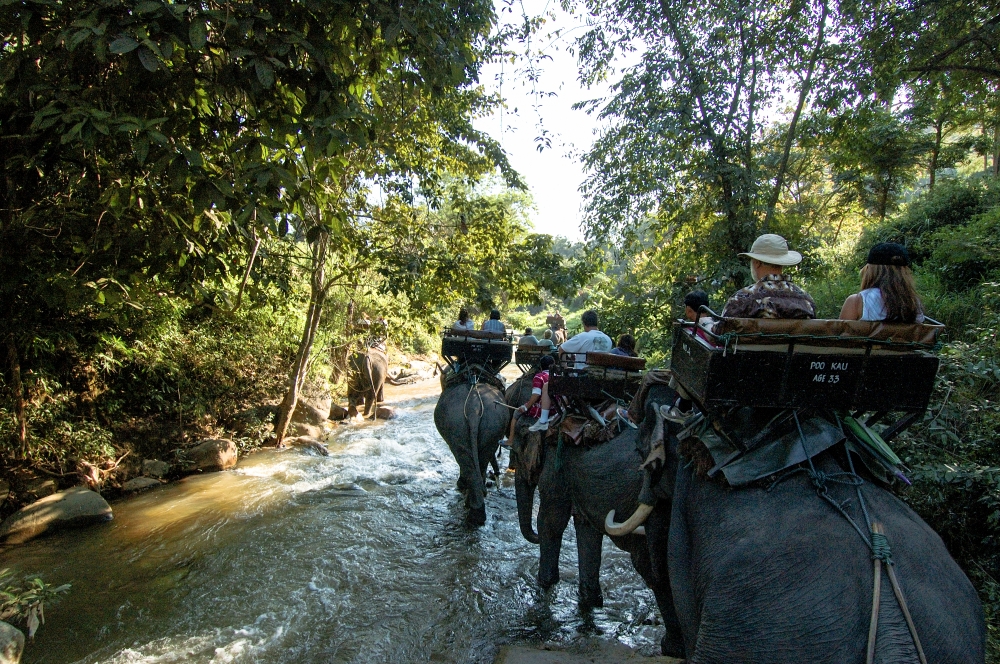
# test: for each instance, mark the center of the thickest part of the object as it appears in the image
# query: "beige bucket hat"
(773, 249)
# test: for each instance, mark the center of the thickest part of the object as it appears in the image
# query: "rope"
(878, 543)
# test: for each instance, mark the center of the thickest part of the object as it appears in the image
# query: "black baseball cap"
(889, 253)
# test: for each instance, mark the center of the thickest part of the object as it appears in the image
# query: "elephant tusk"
(631, 524)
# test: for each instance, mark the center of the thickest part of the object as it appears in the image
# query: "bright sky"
(554, 174)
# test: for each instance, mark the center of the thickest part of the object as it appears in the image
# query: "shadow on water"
(278, 561)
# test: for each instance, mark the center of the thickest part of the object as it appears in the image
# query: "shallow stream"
(278, 561)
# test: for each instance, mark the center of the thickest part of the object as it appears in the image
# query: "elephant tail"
(473, 423)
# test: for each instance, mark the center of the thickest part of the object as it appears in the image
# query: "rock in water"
(303, 429)
(155, 468)
(211, 455)
(385, 413)
(306, 413)
(11, 644)
(137, 484)
(308, 444)
(338, 412)
(78, 506)
(347, 489)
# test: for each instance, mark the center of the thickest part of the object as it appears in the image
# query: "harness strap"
(878, 543)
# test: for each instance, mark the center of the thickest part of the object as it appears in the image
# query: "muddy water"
(278, 561)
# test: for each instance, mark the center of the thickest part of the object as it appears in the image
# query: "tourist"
(887, 289)
(772, 295)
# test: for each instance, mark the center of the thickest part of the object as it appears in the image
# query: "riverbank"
(359, 556)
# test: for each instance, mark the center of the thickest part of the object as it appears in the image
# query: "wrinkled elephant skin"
(472, 423)
(758, 576)
(800, 578)
(596, 480)
(367, 372)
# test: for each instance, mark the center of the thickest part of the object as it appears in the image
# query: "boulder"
(338, 412)
(385, 413)
(11, 644)
(78, 506)
(306, 413)
(308, 444)
(302, 429)
(210, 455)
(155, 468)
(137, 484)
(418, 366)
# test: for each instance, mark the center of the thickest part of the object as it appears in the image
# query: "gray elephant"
(471, 421)
(366, 377)
(595, 480)
(767, 573)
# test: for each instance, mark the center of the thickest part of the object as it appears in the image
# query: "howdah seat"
(606, 376)
(847, 366)
(491, 350)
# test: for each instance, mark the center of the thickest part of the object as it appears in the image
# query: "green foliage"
(24, 602)
(949, 204)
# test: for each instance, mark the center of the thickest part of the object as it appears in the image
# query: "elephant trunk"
(525, 505)
(631, 524)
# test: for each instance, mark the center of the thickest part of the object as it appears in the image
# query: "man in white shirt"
(590, 340)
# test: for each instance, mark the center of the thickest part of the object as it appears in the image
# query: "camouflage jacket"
(774, 296)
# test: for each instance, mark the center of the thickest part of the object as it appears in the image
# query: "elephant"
(764, 573)
(585, 483)
(366, 377)
(472, 422)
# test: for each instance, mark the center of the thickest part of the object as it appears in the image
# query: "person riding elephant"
(793, 569)
(470, 419)
(367, 372)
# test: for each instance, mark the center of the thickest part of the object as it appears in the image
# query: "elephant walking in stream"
(766, 573)
(471, 421)
(366, 378)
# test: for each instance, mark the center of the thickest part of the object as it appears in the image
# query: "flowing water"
(280, 560)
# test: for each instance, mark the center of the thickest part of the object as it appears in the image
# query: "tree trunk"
(297, 376)
(938, 130)
(790, 136)
(17, 392)
(996, 150)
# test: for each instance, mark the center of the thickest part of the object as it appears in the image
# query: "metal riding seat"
(758, 380)
(491, 350)
(606, 376)
(528, 356)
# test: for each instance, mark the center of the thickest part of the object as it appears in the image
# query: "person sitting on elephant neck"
(625, 347)
(463, 324)
(772, 295)
(528, 339)
(493, 323)
(590, 340)
(540, 403)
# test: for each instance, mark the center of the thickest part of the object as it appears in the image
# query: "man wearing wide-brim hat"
(773, 295)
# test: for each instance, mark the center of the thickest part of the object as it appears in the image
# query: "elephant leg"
(672, 643)
(588, 552)
(352, 402)
(554, 510)
(368, 403)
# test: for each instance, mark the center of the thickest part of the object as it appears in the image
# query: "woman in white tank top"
(887, 289)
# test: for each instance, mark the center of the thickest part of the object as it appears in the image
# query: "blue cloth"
(493, 325)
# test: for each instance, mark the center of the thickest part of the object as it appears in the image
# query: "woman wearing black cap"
(887, 289)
